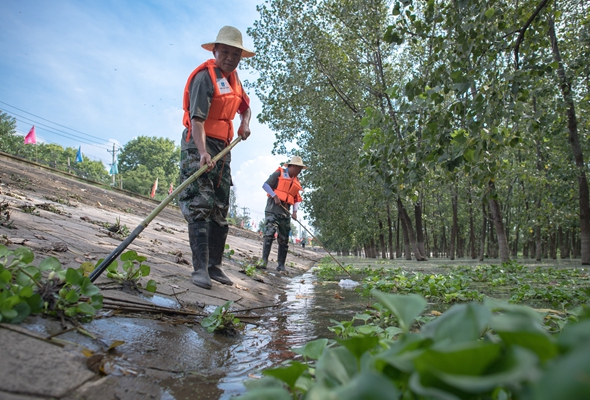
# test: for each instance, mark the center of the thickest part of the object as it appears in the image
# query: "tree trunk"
(498, 224)
(584, 199)
(390, 233)
(382, 241)
(410, 229)
(538, 242)
(398, 248)
(515, 247)
(454, 225)
(484, 219)
(552, 245)
(407, 250)
(472, 252)
(419, 230)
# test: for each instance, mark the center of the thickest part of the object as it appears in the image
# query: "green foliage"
(487, 350)
(228, 253)
(144, 159)
(131, 272)
(221, 320)
(250, 270)
(560, 288)
(27, 289)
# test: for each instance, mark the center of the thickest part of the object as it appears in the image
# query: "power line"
(55, 123)
(45, 141)
(66, 135)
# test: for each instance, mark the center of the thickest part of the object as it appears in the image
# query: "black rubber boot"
(217, 236)
(282, 256)
(266, 246)
(198, 238)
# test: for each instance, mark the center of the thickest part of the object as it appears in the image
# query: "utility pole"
(115, 171)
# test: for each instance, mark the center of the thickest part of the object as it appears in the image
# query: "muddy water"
(174, 360)
(183, 361)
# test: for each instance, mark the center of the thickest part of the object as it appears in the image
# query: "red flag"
(31, 138)
(154, 188)
(171, 189)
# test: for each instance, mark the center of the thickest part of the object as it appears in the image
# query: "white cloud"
(114, 69)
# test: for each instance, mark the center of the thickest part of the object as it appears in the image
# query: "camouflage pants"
(278, 223)
(207, 198)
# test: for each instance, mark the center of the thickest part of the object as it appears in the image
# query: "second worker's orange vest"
(288, 188)
(224, 106)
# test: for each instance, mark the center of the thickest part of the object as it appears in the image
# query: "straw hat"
(232, 37)
(296, 160)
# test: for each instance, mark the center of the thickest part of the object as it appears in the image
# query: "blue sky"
(114, 70)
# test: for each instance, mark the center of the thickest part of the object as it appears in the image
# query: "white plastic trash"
(347, 284)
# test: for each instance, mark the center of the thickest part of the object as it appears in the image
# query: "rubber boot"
(282, 256)
(217, 236)
(266, 246)
(198, 238)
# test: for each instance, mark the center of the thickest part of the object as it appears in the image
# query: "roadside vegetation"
(483, 332)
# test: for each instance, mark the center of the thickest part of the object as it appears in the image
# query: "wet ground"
(159, 355)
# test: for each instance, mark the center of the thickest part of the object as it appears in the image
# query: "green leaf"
(85, 308)
(289, 374)
(5, 277)
(113, 267)
(145, 270)
(406, 308)
(567, 377)
(460, 323)
(25, 255)
(73, 277)
(72, 296)
(368, 385)
(129, 255)
(459, 359)
(490, 12)
(358, 345)
(50, 263)
(87, 288)
(312, 350)
(151, 286)
(336, 366)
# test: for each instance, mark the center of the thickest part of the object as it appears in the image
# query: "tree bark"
(472, 252)
(398, 248)
(455, 225)
(482, 246)
(410, 229)
(407, 249)
(390, 233)
(419, 229)
(498, 224)
(382, 241)
(584, 199)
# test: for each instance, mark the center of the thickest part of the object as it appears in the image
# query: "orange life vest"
(224, 105)
(288, 188)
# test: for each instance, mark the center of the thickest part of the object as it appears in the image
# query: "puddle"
(187, 362)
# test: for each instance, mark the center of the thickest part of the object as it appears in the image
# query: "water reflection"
(305, 314)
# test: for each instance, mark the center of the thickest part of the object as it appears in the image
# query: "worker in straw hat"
(282, 188)
(212, 96)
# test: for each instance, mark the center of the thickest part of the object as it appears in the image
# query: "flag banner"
(79, 155)
(31, 138)
(114, 169)
(171, 189)
(154, 188)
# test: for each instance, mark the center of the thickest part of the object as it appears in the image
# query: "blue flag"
(79, 155)
(114, 169)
